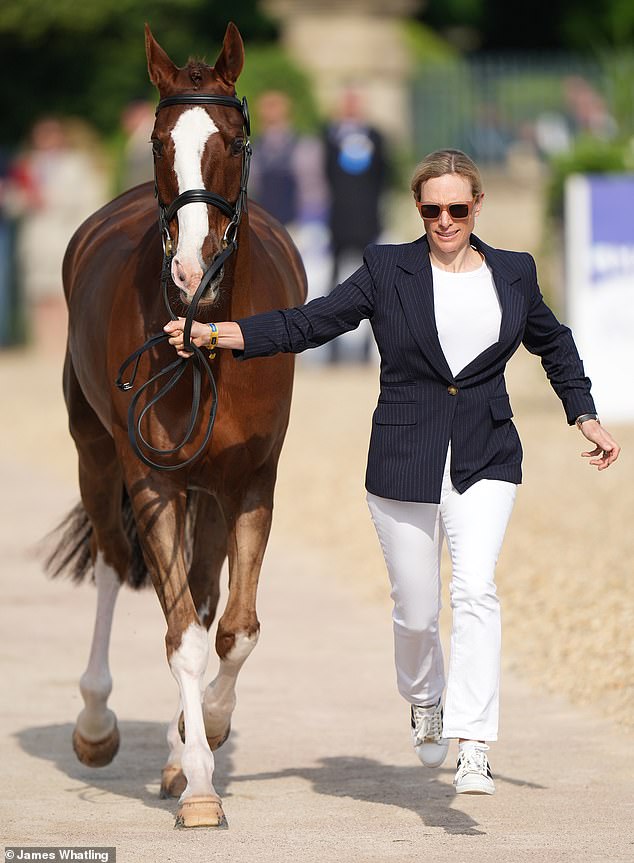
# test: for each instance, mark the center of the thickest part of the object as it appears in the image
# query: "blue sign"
(612, 227)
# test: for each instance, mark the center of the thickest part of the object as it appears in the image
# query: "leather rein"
(199, 363)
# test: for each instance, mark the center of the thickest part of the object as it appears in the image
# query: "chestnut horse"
(180, 525)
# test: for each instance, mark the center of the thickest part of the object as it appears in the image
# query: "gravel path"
(319, 766)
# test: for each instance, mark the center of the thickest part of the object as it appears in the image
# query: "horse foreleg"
(96, 736)
(238, 628)
(160, 516)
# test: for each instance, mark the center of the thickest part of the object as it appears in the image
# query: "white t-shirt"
(468, 314)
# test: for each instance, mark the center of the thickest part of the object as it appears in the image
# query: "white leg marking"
(95, 721)
(219, 699)
(174, 741)
(190, 134)
(188, 665)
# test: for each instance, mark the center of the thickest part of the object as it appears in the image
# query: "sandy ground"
(319, 765)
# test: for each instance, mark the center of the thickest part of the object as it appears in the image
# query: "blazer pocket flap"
(395, 413)
(501, 408)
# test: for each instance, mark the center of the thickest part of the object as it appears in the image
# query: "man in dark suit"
(447, 312)
(356, 173)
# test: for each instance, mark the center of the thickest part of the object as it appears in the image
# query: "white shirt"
(468, 314)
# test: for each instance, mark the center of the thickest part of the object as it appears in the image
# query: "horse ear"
(160, 67)
(231, 59)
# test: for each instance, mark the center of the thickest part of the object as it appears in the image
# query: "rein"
(197, 360)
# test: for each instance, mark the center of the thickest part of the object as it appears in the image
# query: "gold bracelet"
(213, 341)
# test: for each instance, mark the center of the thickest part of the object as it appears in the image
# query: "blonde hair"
(442, 162)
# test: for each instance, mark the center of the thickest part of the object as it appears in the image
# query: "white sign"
(599, 223)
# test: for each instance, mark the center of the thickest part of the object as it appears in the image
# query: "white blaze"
(190, 134)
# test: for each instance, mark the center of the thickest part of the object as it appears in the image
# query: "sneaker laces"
(427, 723)
(473, 759)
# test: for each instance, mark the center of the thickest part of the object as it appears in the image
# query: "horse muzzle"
(188, 281)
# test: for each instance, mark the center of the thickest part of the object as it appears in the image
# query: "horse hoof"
(201, 812)
(217, 741)
(96, 753)
(173, 782)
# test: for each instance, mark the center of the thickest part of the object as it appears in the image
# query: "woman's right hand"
(199, 335)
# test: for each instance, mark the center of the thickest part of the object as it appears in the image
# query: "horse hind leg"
(173, 781)
(96, 735)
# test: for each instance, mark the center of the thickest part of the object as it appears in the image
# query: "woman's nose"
(444, 219)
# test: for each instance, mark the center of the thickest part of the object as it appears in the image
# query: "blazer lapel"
(511, 302)
(416, 292)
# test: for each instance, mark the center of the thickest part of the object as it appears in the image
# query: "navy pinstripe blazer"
(422, 406)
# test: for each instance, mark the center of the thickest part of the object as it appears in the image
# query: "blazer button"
(452, 390)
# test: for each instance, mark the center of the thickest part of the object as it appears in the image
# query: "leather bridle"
(198, 361)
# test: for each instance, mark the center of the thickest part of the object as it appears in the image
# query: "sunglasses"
(433, 211)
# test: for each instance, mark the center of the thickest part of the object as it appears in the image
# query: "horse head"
(201, 152)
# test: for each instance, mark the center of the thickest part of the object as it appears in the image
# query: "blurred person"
(448, 311)
(286, 177)
(7, 280)
(489, 138)
(584, 112)
(62, 184)
(587, 111)
(356, 171)
(137, 122)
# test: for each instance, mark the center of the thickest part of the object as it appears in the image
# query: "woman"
(447, 312)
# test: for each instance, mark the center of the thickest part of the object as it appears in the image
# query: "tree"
(497, 25)
(71, 57)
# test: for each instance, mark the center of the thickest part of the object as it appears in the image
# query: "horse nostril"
(179, 272)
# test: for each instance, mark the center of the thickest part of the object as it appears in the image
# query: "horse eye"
(157, 147)
(237, 146)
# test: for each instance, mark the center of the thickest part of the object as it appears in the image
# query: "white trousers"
(411, 536)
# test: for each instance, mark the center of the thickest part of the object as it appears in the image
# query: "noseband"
(200, 365)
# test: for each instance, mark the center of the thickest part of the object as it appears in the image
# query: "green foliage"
(424, 45)
(588, 156)
(527, 94)
(605, 25)
(267, 67)
(500, 25)
(618, 69)
(72, 57)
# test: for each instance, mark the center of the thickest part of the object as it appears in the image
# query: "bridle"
(200, 365)
(198, 196)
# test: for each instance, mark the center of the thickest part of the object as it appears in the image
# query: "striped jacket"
(421, 405)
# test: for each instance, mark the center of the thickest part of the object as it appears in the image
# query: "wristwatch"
(581, 419)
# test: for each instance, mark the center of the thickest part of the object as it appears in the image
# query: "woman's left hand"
(607, 449)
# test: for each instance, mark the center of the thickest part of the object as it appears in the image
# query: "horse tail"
(71, 556)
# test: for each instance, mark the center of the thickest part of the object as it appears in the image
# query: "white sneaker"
(474, 774)
(427, 734)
